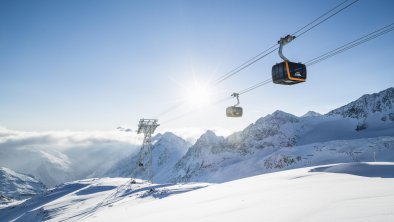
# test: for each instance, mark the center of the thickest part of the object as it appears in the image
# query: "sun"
(198, 95)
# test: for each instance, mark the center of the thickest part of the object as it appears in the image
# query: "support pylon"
(144, 164)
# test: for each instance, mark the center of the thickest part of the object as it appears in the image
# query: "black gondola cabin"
(288, 73)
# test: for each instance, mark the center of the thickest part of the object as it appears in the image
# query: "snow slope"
(16, 186)
(344, 192)
(54, 158)
(77, 200)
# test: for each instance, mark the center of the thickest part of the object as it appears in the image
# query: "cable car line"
(386, 29)
(229, 74)
(310, 23)
(290, 73)
(175, 106)
(340, 10)
(224, 99)
(270, 50)
(345, 47)
(352, 44)
(274, 47)
(265, 82)
(286, 73)
(247, 63)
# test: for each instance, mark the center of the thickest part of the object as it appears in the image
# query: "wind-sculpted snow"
(342, 192)
(79, 200)
(383, 170)
(306, 194)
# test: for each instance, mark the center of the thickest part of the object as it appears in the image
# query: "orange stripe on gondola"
(289, 76)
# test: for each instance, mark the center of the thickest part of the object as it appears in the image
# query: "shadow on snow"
(359, 169)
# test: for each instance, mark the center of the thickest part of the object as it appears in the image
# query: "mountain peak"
(277, 117)
(169, 135)
(280, 113)
(311, 114)
(208, 137)
(381, 102)
(169, 139)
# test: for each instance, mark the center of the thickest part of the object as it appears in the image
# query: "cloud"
(57, 157)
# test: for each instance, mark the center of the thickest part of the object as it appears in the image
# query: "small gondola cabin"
(234, 111)
(288, 73)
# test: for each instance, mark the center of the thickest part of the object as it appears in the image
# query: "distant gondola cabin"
(234, 111)
(288, 73)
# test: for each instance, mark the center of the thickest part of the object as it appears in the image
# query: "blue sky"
(95, 65)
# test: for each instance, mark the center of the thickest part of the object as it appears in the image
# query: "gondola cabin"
(288, 73)
(234, 111)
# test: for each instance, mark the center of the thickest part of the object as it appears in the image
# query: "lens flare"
(198, 95)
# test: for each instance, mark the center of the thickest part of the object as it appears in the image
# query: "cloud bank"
(57, 157)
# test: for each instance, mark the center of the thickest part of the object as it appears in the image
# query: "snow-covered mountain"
(55, 159)
(311, 114)
(367, 105)
(211, 152)
(283, 141)
(227, 165)
(167, 150)
(17, 186)
(369, 109)
(358, 138)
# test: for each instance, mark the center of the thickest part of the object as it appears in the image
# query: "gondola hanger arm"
(282, 42)
(236, 95)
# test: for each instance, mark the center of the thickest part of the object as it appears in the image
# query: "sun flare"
(198, 95)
